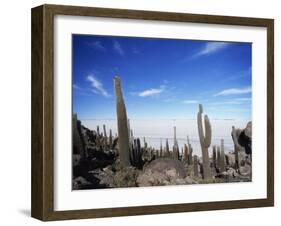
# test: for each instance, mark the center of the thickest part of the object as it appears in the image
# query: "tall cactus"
(190, 150)
(186, 153)
(222, 157)
(167, 148)
(110, 139)
(123, 132)
(161, 148)
(105, 144)
(235, 134)
(175, 147)
(195, 166)
(214, 156)
(205, 141)
(218, 157)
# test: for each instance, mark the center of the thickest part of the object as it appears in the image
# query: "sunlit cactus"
(110, 138)
(161, 148)
(205, 141)
(167, 153)
(222, 157)
(214, 156)
(175, 147)
(235, 134)
(218, 162)
(195, 166)
(122, 121)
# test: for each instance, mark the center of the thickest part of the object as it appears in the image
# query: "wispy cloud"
(151, 92)
(240, 75)
(211, 47)
(97, 45)
(234, 91)
(235, 101)
(243, 99)
(118, 48)
(74, 86)
(190, 102)
(97, 86)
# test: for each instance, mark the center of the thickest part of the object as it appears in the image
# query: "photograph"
(149, 111)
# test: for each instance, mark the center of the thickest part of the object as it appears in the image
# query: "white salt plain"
(156, 129)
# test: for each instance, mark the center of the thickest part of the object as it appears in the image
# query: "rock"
(124, 177)
(167, 164)
(245, 170)
(231, 158)
(76, 159)
(164, 172)
(79, 182)
(245, 138)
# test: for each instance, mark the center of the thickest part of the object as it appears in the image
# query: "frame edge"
(37, 113)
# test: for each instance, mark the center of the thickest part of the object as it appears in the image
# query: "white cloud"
(211, 47)
(74, 86)
(97, 86)
(234, 91)
(118, 48)
(190, 101)
(98, 45)
(151, 92)
(243, 99)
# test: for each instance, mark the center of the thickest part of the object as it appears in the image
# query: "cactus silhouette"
(205, 141)
(222, 157)
(195, 166)
(122, 121)
(235, 134)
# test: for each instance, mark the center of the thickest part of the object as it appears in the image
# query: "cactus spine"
(205, 141)
(122, 121)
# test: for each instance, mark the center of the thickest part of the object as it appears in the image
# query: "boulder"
(164, 171)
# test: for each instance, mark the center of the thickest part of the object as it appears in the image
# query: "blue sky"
(161, 78)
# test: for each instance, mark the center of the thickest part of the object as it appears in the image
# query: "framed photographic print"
(141, 112)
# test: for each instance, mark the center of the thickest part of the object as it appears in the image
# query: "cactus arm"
(208, 132)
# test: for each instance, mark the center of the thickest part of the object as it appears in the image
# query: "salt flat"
(156, 129)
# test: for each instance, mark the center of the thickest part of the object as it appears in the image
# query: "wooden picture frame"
(43, 112)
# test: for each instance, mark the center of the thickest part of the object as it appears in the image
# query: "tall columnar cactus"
(186, 154)
(98, 138)
(222, 157)
(175, 147)
(205, 141)
(218, 157)
(110, 138)
(235, 134)
(214, 156)
(175, 135)
(161, 148)
(195, 166)
(105, 145)
(123, 132)
(145, 143)
(167, 148)
(189, 152)
(78, 141)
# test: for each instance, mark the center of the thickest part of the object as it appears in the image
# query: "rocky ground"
(96, 165)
